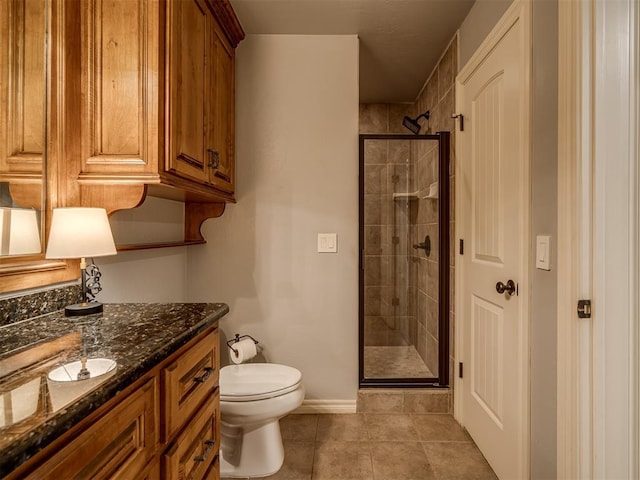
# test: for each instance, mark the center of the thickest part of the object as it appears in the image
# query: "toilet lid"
(257, 381)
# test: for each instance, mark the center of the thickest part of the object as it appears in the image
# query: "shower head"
(412, 123)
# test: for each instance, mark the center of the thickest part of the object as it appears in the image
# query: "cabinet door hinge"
(584, 308)
(460, 369)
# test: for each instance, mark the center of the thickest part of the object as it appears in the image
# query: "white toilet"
(253, 398)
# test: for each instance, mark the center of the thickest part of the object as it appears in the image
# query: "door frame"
(520, 10)
(598, 239)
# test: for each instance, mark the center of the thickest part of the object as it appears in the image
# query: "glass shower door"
(400, 284)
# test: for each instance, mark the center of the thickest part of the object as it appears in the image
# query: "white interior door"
(493, 206)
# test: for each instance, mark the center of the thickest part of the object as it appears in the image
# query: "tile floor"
(394, 362)
(375, 446)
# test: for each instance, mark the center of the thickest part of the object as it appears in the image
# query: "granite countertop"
(34, 410)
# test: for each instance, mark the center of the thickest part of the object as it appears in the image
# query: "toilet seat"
(257, 381)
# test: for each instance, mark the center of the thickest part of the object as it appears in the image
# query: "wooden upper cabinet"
(22, 99)
(201, 65)
(120, 80)
(190, 75)
(22, 85)
(158, 95)
(223, 113)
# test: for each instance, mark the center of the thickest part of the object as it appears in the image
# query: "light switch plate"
(327, 242)
(543, 252)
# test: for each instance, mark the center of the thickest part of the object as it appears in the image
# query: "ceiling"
(400, 40)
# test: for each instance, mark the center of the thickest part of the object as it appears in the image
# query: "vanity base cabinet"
(214, 470)
(118, 446)
(164, 426)
(193, 451)
(191, 410)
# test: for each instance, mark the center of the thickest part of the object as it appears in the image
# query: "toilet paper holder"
(237, 339)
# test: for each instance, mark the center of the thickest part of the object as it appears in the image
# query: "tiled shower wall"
(420, 326)
(389, 318)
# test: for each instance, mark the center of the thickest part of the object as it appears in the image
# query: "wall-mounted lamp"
(80, 232)
(19, 231)
(412, 123)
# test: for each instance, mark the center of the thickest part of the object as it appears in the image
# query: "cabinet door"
(22, 90)
(120, 67)
(188, 44)
(223, 112)
(118, 446)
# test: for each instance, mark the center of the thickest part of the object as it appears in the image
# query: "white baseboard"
(327, 406)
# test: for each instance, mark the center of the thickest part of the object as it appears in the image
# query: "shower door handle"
(509, 287)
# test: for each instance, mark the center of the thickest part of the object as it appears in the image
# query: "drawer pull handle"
(207, 451)
(214, 158)
(203, 378)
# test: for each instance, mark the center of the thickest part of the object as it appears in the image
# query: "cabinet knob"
(201, 458)
(214, 158)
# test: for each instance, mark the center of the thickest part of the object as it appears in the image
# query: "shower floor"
(394, 362)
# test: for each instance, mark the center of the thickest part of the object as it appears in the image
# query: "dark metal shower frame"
(443, 139)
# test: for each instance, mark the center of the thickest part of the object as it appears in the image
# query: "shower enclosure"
(404, 262)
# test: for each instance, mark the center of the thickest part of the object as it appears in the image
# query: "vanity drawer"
(194, 450)
(187, 381)
(118, 446)
(214, 470)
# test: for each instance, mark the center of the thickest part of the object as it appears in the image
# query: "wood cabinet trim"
(196, 214)
(228, 21)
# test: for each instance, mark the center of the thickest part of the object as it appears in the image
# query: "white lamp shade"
(80, 232)
(19, 232)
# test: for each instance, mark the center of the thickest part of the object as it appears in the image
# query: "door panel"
(487, 220)
(487, 379)
(494, 212)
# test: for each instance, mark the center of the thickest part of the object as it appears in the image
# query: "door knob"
(509, 287)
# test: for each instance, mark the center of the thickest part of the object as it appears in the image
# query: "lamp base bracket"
(84, 308)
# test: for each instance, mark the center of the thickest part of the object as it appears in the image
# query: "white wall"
(297, 171)
(482, 17)
(544, 217)
(157, 275)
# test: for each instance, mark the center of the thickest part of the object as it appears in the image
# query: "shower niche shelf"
(406, 196)
(433, 191)
(433, 194)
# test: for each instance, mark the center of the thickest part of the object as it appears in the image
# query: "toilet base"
(251, 451)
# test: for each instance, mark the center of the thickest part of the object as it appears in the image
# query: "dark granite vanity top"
(34, 410)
